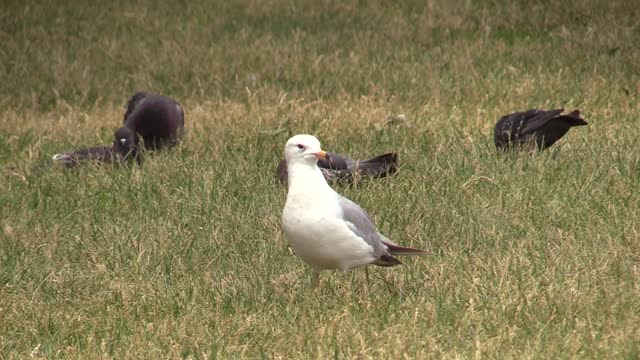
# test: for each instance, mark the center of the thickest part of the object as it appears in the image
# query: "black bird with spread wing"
(540, 127)
(124, 148)
(339, 168)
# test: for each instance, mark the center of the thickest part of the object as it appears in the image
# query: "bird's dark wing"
(538, 120)
(281, 171)
(377, 167)
(159, 120)
(335, 162)
(133, 102)
(574, 118)
(97, 154)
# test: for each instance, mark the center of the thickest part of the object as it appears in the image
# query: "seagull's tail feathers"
(405, 251)
(377, 167)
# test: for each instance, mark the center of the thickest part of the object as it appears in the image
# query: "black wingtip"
(387, 261)
(403, 250)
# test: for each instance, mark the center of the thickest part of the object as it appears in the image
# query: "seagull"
(124, 148)
(326, 230)
(338, 168)
(159, 120)
(544, 127)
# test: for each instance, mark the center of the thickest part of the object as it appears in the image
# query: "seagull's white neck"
(306, 178)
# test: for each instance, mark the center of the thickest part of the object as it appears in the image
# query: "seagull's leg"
(315, 278)
(345, 273)
(366, 272)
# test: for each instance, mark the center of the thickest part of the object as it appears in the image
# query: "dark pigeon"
(338, 168)
(157, 119)
(124, 148)
(540, 127)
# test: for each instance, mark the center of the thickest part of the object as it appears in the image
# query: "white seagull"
(326, 230)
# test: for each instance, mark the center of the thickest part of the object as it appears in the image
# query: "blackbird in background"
(540, 127)
(339, 168)
(157, 119)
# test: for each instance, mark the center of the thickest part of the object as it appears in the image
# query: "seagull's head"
(303, 149)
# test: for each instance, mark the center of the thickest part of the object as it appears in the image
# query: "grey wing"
(360, 223)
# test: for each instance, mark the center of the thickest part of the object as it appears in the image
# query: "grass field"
(533, 256)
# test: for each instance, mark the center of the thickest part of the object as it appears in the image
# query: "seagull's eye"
(300, 146)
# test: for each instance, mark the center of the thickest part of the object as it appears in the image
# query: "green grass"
(533, 256)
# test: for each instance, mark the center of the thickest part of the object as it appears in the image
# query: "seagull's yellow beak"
(320, 154)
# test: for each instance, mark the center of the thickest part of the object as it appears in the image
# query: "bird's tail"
(63, 158)
(379, 166)
(402, 250)
(575, 119)
(395, 250)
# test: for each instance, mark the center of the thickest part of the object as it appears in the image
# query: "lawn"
(533, 256)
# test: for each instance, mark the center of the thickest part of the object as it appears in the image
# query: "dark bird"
(124, 148)
(339, 168)
(157, 119)
(542, 127)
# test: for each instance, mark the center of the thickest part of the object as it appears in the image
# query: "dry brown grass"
(533, 256)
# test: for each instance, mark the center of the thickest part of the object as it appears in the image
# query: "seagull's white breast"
(314, 226)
